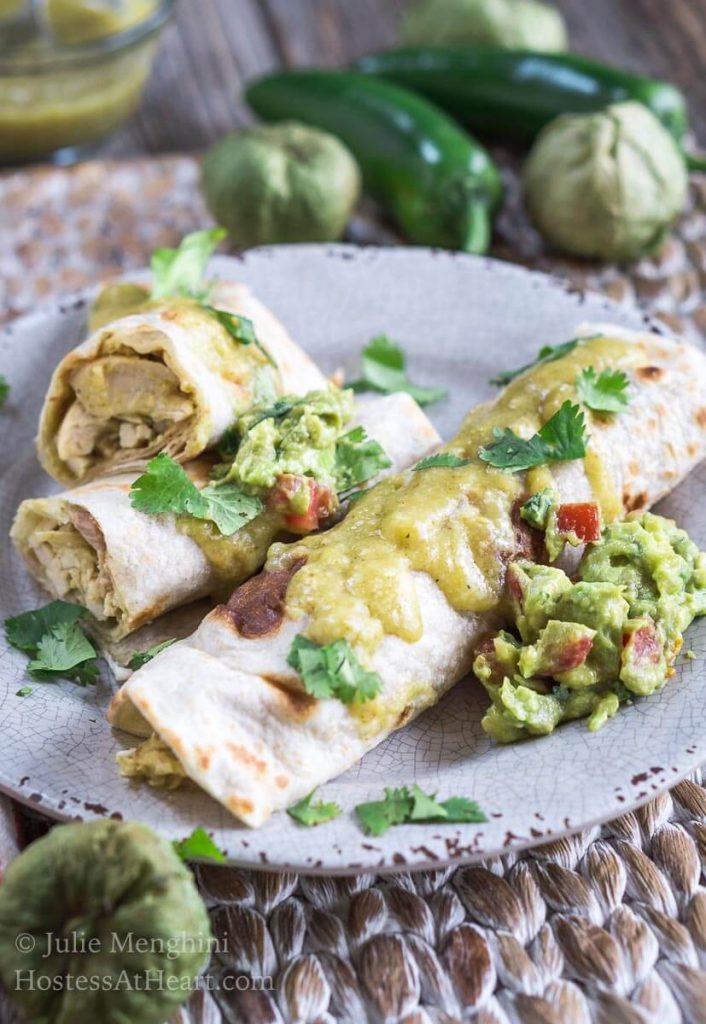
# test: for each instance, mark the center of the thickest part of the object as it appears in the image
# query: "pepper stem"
(477, 238)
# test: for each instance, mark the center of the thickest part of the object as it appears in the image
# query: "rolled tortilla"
(169, 378)
(90, 546)
(232, 712)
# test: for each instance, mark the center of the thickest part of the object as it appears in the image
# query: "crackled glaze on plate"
(460, 319)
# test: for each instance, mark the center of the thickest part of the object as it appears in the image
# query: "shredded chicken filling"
(70, 556)
(122, 403)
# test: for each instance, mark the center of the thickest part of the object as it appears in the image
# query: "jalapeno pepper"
(513, 94)
(439, 185)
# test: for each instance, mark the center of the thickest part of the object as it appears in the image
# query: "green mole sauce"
(453, 523)
(239, 556)
(60, 101)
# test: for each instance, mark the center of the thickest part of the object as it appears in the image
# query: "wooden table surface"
(214, 46)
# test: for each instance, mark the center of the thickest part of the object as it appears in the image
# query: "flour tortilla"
(235, 714)
(206, 378)
(90, 546)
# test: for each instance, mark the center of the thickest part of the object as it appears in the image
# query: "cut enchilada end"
(168, 377)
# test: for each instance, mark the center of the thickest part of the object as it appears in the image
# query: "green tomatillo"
(285, 182)
(606, 185)
(514, 24)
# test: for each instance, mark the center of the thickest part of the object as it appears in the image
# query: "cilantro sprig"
(546, 354)
(310, 814)
(166, 487)
(606, 392)
(141, 658)
(402, 806)
(358, 458)
(199, 846)
(384, 369)
(53, 638)
(441, 460)
(332, 670)
(563, 438)
(181, 272)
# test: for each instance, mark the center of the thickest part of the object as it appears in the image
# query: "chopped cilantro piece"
(141, 658)
(4, 390)
(332, 670)
(199, 846)
(358, 458)
(181, 271)
(402, 806)
(310, 814)
(240, 328)
(546, 354)
(384, 369)
(442, 459)
(26, 630)
(561, 439)
(604, 392)
(24, 691)
(166, 487)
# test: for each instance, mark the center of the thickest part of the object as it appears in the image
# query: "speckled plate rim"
(304, 284)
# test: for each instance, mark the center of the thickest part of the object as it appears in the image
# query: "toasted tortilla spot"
(649, 372)
(239, 807)
(244, 756)
(632, 504)
(634, 468)
(701, 416)
(296, 702)
(405, 715)
(256, 608)
(281, 781)
(204, 759)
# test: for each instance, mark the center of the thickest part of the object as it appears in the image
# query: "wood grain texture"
(214, 46)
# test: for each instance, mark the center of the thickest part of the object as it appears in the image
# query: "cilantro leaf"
(400, 806)
(383, 366)
(460, 810)
(24, 691)
(442, 459)
(546, 354)
(229, 507)
(240, 328)
(561, 439)
(181, 271)
(166, 487)
(199, 846)
(358, 458)
(604, 392)
(310, 814)
(377, 816)
(141, 658)
(26, 630)
(4, 390)
(332, 670)
(62, 651)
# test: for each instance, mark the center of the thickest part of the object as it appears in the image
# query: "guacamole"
(581, 646)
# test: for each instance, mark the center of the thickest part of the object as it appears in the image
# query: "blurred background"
(215, 46)
(151, 105)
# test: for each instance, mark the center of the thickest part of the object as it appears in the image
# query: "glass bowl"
(57, 101)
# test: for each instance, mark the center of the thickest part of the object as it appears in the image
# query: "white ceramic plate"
(460, 319)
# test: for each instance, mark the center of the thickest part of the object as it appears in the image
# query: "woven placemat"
(606, 926)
